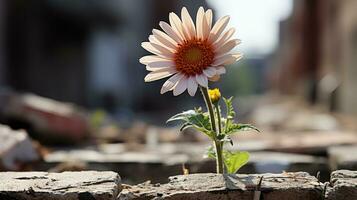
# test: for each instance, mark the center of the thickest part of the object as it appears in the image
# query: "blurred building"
(84, 52)
(317, 53)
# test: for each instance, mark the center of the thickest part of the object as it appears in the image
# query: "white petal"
(159, 74)
(163, 50)
(181, 86)
(154, 69)
(227, 59)
(218, 27)
(223, 60)
(176, 24)
(221, 70)
(227, 47)
(170, 83)
(192, 86)
(201, 24)
(148, 47)
(151, 58)
(230, 61)
(164, 39)
(161, 63)
(237, 56)
(153, 48)
(209, 71)
(209, 18)
(154, 40)
(187, 23)
(171, 32)
(202, 80)
(205, 28)
(225, 37)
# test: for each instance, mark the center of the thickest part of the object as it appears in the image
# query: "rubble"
(59, 186)
(51, 120)
(313, 143)
(279, 113)
(16, 149)
(143, 133)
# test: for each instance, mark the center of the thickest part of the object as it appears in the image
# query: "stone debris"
(287, 186)
(343, 185)
(16, 149)
(343, 157)
(279, 113)
(312, 143)
(143, 133)
(95, 156)
(52, 120)
(311, 121)
(85, 185)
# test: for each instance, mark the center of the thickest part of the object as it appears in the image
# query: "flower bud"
(214, 95)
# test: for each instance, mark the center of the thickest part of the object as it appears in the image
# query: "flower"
(191, 54)
(214, 95)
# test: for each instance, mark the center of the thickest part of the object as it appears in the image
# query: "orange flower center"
(193, 56)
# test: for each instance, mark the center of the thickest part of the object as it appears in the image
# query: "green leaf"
(181, 116)
(234, 128)
(184, 126)
(210, 153)
(230, 113)
(194, 118)
(235, 160)
(229, 108)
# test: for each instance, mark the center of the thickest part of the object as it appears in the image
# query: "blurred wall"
(340, 50)
(84, 52)
(316, 57)
(2, 41)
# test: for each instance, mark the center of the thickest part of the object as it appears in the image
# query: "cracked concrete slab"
(83, 185)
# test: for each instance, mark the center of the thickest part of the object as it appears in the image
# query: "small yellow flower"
(214, 95)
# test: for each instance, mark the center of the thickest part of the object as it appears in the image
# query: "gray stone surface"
(287, 186)
(343, 185)
(85, 185)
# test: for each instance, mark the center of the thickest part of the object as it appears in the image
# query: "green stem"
(219, 157)
(209, 108)
(218, 118)
(217, 144)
